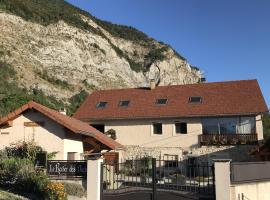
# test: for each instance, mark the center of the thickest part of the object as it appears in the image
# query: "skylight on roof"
(161, 101)
(195, 100)
(124, 103)
(102, 104)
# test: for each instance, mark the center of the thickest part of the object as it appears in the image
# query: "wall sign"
(33, 124)
(67, 168)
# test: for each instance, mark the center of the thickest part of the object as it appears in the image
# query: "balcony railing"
(228, 139)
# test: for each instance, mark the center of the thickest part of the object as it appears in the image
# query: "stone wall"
(155, 152)
(205, 153)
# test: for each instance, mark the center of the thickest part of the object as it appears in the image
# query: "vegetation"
(195, 68)
(76, 101)
(51, 11)
(47, 12)
(98, 47)
(17, 172)
(74, 189)
(87, 85)
(155, 55)
(55, 190)
(9, 195)
(23, 150)
(12, 96)
(55, 81)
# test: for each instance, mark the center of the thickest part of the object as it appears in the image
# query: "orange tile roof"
(70, 123)
(218, 99)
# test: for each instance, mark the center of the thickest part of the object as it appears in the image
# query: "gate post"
(94, 179)
(154, 179)
(222, 179)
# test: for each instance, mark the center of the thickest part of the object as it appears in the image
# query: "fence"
(158, 175)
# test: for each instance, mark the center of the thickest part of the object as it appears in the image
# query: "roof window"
(102, 104)
(124, 103)
(161, 101)
(195, 99)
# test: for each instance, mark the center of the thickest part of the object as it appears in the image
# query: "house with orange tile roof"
(53, 131)
(174, 121)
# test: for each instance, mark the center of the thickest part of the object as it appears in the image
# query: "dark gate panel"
(151, 179)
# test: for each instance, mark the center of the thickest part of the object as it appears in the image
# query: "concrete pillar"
(94, 179)
(222, 179)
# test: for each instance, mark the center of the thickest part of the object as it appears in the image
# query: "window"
(161, 101)
(210, 126)
(181, 128)
(195, 99)
(170, 161)
(71, 155)
(157, 128)
(229, 125)
(123, 103)
(102, 104)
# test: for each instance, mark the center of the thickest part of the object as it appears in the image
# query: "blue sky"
(227, 39)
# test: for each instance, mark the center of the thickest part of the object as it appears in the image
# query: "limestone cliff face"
(61, 59)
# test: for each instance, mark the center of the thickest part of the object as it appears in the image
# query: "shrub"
(11, 170)
(56, 191)
(74, 189)
(76, 101)
(33, 183)
(26, 150)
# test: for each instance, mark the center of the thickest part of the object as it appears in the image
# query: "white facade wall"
(140, 132)
(75, 146)
(259, 127)
(252, 191)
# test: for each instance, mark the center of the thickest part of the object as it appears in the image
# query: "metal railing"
(228, 139)
(158, 175)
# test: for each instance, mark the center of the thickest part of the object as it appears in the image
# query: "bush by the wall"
(18, 173)
(11, 170)
(33, 182)
(74, 189)
(23, 149)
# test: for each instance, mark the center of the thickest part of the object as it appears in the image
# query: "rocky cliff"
(61, 50)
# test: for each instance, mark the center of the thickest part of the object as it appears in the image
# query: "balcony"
(228, 139)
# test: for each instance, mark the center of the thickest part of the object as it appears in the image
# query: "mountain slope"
(60, 50)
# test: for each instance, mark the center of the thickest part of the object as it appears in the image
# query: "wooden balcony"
(228, 139)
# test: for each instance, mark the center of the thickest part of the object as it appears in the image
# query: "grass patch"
(12, 96)
(55, 81)
(4, 195)
(76, 101)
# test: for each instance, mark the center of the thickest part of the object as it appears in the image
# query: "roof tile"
(218, 99)
(72, 124)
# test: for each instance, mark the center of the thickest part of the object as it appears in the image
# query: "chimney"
(152, 84)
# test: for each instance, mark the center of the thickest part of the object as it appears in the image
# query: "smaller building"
(53, 131)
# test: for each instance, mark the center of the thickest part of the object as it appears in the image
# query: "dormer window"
(161, 101)
(195, 100)
(102, 104)
(124, 103)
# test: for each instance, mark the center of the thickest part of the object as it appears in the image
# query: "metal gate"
(151, 179)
